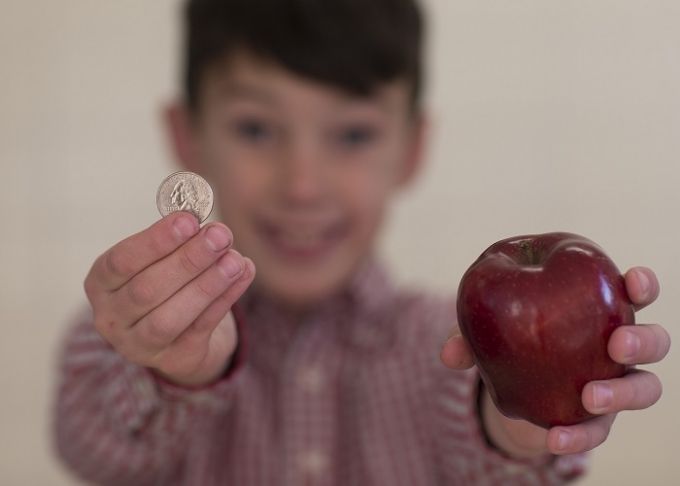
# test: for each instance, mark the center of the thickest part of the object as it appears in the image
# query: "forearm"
(109, 428)
(116, 423)
(470, 451)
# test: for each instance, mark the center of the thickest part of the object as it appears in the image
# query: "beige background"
(548, 115)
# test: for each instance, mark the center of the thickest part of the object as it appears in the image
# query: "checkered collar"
(360, 309)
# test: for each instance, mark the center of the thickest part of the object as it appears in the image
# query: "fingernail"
(643, 282)
(563, 440)
(231, 264)
(185, 226)
(248, 265)
(632, 344)
(218, 238)
(602, 397)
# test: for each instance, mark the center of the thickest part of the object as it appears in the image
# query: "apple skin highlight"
(537, 312)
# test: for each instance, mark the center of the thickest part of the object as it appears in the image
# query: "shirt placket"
(309, 407)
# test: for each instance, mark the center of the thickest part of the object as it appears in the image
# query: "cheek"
(367, 193)
(235, 194)
(239, 191)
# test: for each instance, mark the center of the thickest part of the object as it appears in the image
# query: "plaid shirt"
(355, 395)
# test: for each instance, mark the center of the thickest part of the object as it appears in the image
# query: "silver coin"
(185, 191)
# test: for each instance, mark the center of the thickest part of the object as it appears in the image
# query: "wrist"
(225, 351)
(206, 376)
(515, 438)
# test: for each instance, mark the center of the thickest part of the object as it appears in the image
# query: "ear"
(415, 150)
(181, 135)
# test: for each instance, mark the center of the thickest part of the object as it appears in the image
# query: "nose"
(303, 179)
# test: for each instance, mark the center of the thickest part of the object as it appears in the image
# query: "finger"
(640, 344)
(642, 286)
(161, 280)
(635, 391)
(456, 354)
(581, 437)
(158, 329)
(188, 360)
(124, 260)
(197, 335)
(206, 322)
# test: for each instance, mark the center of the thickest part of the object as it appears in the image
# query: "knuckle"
(654, 389)
(105, 327)
(118, 263)
(155, 332)
(249, 271)
(659, 391)
(158, 242)
(588, 438)
(109, 330)
(593, 434)
(233, 292)
(227, 299)
(90, 288)
(582, 440)
(202, 328)
(188, 262)
(207, 289)
(663, 341)
(140, 292)
(599, 437)
(627, 392)
(641, 392)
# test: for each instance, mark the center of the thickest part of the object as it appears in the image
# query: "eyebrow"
(244, 91)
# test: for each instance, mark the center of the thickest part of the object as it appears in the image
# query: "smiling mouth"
(304, 242)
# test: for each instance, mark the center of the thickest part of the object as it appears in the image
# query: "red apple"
(537, 312)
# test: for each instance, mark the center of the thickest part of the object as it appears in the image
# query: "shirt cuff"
(140, 393)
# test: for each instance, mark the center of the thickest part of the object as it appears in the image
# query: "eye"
(356, 136)
(253, 130)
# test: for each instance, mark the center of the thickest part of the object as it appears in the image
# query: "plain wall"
(547, 115)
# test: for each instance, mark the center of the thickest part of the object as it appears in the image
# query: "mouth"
(302, 243)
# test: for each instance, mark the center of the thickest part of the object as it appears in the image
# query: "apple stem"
(530, 254)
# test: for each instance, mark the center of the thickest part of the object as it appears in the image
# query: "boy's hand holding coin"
(162, 297)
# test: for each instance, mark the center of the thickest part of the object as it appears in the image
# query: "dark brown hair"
(354, 45)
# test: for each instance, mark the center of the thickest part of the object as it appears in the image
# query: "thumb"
(455, 353)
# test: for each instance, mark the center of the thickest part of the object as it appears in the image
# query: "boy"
(305, 117)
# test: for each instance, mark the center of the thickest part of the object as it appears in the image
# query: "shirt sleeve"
(462, 450)
(115, 422)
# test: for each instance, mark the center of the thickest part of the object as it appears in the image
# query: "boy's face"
(302, 171)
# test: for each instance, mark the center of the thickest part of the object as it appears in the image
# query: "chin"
(300, 291)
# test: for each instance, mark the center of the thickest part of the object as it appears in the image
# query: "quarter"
(185, 191)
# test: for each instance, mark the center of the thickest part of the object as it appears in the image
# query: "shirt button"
(310, 379)
(313, 462)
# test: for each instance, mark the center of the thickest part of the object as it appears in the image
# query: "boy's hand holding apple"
(162, 297)
(627, 345)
